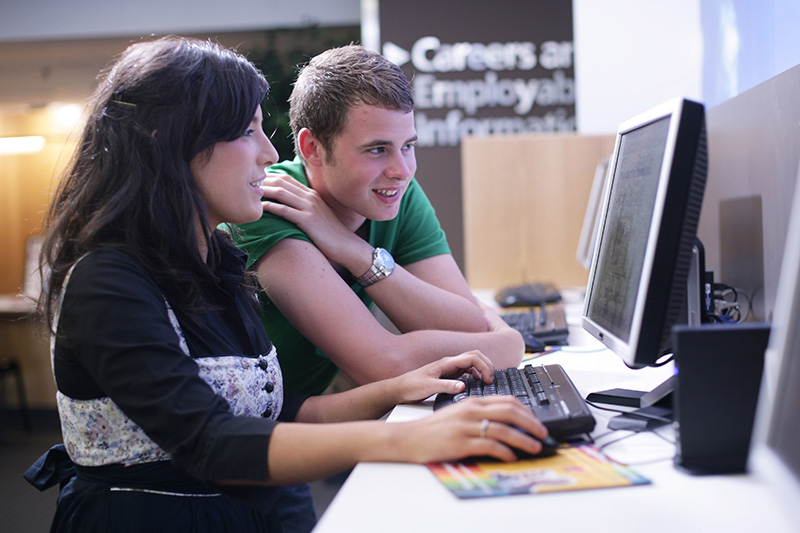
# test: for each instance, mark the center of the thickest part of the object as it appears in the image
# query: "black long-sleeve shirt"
(116, 340)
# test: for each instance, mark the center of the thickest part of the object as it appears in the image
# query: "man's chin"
(384, 215)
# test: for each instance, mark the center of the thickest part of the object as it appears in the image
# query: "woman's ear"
(310, 148)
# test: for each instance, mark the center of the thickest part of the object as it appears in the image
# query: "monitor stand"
(654, 408)
(651, 408)
(636, 398)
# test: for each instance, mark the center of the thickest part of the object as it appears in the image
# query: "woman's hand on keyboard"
(441, 376)
(375, 399)
(458, 432)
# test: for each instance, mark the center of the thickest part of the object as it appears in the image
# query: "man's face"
(370, 165)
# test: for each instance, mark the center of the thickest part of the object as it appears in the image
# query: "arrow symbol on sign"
(395, 54)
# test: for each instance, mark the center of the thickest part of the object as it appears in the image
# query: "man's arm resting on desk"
(429, 294)
(315, 299)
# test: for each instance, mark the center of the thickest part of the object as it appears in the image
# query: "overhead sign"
(477, 68)
(532, 103)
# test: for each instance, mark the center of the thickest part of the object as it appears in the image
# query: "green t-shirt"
(414, 234)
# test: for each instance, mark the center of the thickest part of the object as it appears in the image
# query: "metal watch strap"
(377, 271)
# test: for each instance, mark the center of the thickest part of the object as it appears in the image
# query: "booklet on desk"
(575, 468)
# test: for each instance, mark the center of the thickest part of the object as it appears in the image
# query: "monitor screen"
(775, 454)
(640, 269)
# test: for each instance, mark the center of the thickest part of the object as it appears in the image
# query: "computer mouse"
(511, 297)
(549, 449)
(507, 299)
(532, 343)
(527, 295)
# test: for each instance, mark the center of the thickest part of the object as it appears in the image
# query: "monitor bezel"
(667, 236)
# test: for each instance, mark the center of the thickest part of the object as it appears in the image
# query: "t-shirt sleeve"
(256, 238)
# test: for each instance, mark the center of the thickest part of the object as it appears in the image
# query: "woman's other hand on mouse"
(461, 431)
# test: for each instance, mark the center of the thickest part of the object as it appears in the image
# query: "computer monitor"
(591, 218)
(775, 455)
(639, 278)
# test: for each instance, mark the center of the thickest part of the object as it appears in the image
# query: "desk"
(382, 497)
(16, 306)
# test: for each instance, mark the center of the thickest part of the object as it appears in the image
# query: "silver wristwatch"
(382, 267)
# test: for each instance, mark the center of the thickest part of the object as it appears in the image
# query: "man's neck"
(350, 219)
(363, 230)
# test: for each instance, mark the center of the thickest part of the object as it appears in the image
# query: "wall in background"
(87, 19)
(633, 54)
(26, 182)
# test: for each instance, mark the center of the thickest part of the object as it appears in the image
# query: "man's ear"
(310, 147)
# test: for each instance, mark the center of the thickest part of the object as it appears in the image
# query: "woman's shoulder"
(108, 285)
(109, 266)
(107, 258)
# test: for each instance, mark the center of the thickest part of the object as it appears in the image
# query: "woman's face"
(229, 179)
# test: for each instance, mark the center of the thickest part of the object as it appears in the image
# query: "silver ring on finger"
(484, 427)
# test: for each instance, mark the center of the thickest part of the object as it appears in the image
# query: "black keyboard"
(546, 389)
(540, 326)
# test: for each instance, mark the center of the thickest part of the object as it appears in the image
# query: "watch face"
(384, 258)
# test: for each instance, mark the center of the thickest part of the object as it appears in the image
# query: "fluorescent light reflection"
(21, 145)
(65, 116)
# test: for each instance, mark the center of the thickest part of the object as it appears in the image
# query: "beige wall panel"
(524, 202)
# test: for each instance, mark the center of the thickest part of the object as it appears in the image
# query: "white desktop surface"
(383, 497)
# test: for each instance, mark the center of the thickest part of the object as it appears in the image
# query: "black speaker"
(719, 376)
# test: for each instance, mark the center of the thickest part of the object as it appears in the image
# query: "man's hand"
(303, 206)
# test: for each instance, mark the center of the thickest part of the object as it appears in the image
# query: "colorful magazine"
(573, 468)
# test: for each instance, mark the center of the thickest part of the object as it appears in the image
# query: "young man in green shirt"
(346, 224)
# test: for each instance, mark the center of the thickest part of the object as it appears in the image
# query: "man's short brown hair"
(338, 79)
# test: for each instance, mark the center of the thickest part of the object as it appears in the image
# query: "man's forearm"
(402, 353)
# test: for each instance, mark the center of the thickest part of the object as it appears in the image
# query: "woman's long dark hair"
(129, 186)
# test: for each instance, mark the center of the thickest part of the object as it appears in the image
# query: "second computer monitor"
(591, 217)
(638, 279)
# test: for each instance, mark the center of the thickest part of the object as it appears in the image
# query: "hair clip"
(123, 103)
